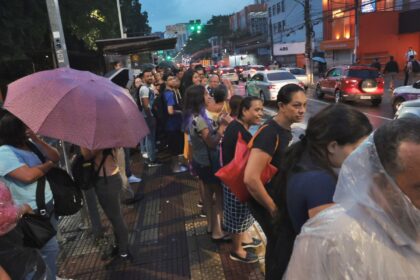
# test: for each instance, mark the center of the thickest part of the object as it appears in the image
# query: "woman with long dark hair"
(309, 172)
(269, 147)
(205, 135)
(20, 169)
(237, 218)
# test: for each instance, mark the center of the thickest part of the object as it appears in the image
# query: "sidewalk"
(168, 238)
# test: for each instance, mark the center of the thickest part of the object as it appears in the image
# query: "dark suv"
(352, 83)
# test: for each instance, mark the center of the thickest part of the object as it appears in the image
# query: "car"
(229, 74)
(405, 93)
(408, 109)
(266, 84)
(299, 73)
(352, 83)
(250, 71)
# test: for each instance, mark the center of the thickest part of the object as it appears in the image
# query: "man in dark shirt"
(391, 70)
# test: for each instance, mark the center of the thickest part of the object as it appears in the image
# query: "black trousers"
(175, 142)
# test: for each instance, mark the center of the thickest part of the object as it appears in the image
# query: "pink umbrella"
(78, 107)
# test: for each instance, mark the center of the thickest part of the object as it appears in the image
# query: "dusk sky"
(167, 12)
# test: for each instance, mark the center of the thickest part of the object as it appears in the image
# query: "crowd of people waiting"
(343, 204)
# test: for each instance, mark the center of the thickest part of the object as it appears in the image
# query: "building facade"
(251, 19)
(287, 30)
(386, 28)
(179, 31)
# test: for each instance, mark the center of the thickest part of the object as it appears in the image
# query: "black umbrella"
(167, 64)
(120, 77)
(147, 66)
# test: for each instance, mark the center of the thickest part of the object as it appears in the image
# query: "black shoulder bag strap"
(36, 151)
(40, 197)
(102, 165)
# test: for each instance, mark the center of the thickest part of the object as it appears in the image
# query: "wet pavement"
(168, 238)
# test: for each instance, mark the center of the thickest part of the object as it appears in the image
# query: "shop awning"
(135, 44)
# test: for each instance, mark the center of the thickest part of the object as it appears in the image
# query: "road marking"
(367, 114)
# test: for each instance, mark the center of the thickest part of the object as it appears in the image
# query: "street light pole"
(120, 19)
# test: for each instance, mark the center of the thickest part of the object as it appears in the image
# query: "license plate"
(365, 97)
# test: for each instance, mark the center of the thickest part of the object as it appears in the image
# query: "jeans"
(108, 191)
(50, 253)
(151, 139)
(128, 172)
(92, 206)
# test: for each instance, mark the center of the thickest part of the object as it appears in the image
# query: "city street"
(377, 115)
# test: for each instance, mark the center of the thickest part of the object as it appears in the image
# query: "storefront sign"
(337, 45)
(368, 6)
(289, 48)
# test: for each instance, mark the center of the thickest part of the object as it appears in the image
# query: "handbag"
(232, 174)
(36, 228)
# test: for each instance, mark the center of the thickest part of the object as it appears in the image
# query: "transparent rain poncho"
(373, 232)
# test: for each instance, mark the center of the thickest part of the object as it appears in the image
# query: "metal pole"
(60, 48)
(308, 43)
(356, 29)
(120, 19)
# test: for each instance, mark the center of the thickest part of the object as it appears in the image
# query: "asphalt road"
(377, 115)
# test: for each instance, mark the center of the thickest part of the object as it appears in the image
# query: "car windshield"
(297, 71)
(278, 76)
(363, 73)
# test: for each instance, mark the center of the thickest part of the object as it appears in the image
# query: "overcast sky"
(167, 12)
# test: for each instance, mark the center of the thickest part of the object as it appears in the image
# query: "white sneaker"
(134, 179)
(59, 278)
(144, 155)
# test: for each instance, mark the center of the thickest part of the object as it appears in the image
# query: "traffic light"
(195, 26)
(168, 57)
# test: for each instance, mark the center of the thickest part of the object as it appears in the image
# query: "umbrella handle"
(65, 155)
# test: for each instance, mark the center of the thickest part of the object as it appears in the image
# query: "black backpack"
(415, 66)
(68, 198)
(160, 109)
(84, 173)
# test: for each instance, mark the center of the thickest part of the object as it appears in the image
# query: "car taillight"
(302, 85)
(350, 82)
(221, 71)
(240, 69)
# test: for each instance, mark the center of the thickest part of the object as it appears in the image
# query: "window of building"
(385, 5)
(282, 6)
(274, 10)
(269, 11)
(278, 8)
(275, 28)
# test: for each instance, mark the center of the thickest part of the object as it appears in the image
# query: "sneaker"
(153, 164)
(83, 226)
(249, 258)
(179, 168)
(144, 155)
(119, 260)
(133, 179)
(254, 244)
(200, 204)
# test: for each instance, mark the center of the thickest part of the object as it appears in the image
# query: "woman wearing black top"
(269, 147)
(237, 218)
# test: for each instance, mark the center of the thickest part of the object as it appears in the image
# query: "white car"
(299, 73)
(266, 84)
(408, 109)
(229, 74)
(250, 71)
